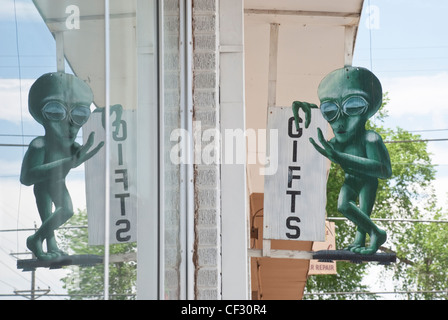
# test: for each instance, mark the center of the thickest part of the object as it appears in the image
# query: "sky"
(404, 42)
(33, 49)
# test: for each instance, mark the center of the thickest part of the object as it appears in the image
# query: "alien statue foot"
(353, 247)
(35, 245)
(57, 253)
(53, 248)
(359, 242)
(376, 240)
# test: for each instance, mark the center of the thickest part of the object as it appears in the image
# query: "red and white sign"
(317, 267)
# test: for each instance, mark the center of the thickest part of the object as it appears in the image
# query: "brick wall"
(207, 255)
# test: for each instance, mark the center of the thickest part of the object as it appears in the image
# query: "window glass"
(53, 77)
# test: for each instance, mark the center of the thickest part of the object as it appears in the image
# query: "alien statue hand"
(83, 154)
(327, 150)
(306, 107)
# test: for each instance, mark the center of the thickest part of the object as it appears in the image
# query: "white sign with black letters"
(295, 195)
(123, 179)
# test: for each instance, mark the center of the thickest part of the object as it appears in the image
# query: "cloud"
(10, 168)
(439, 152)
(441, 190)
(417, 95)
(12, 108)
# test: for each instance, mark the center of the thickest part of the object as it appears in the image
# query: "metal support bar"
(346, 255)
(188, 169)
(107, 150)
(81, 260)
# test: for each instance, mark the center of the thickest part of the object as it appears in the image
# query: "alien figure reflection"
(60, 102)
(349, 97)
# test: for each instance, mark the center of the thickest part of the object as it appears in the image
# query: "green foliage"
(88, 282)
(422, 253)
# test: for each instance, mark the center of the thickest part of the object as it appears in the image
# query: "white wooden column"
(349, 43)
(147, 146)
(235, 269)
(273, 59)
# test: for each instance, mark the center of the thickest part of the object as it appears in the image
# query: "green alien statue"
(349, 97)
(60, 102)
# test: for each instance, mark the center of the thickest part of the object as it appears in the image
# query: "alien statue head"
(60, 102)
(349, 97)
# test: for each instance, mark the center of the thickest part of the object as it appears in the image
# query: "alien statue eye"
(329, 110)
(54, 111)
(80, 115)
(354, 106)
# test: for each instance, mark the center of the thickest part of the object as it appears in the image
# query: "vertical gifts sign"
(295, 195)
(123, 178)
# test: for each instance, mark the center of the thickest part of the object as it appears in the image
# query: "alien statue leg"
(64, 210)
(367, 197)
(347, 195)
(348, 207)
(43, 201)
(58, 194)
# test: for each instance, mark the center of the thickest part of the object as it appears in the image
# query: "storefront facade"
(182, 82)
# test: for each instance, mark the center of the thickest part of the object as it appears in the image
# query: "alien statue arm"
(376, 164)
(35, 170)
(82, 154)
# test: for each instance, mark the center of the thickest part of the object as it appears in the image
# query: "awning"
(84, 44)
